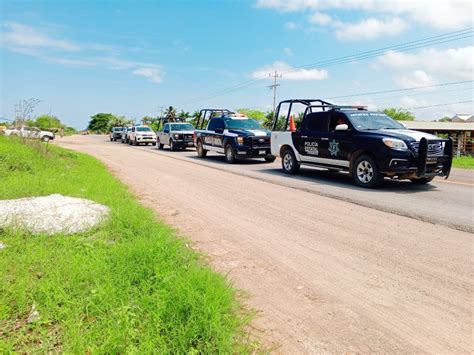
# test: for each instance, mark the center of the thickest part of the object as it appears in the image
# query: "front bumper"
(248, 152)
(184, 142)
(146, 139)
(420, 164)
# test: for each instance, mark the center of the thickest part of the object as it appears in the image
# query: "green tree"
(184, 114)
(445, 119)
(255, 114)
(268, 120)
(101, 122)
(47, 122)
(399, 114)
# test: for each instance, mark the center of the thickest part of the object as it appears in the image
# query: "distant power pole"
(275, 76)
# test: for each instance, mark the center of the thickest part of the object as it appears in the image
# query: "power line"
(400, 90)
(403, 47)
(437, 105)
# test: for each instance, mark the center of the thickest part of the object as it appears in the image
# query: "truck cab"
(369, 145)
(234, 135)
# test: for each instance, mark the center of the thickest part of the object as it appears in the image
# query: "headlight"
(395, 143)
(176, 136)
(240, 140)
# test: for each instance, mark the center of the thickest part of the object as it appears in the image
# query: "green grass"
(131, 285)
(466, 162)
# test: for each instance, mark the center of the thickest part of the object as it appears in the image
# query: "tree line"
(44, 122)
(104, 122)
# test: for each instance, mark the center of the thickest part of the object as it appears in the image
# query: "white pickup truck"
(178, 135)
(30, 132)
(141, 134)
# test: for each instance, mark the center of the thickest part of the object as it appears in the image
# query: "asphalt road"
(448, 202)
(324, 274)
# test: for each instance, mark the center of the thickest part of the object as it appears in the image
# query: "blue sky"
(131, 57)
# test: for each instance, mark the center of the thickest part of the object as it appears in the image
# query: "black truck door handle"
(304, 136)
(324, 139)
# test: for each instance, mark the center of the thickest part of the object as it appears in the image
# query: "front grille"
(434, 148)
(260, 142)
(188, 136)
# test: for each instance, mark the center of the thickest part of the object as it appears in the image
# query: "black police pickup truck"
(234, 135)
(369, 145)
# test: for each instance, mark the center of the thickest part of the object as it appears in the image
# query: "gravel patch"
(52, 214)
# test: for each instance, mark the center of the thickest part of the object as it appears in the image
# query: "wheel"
(129, 142)
(45, 139)
(270, 159)
(289, 163)
(135, 143)
(200, 149)
(111, 139)
(422, 181)
(229, 153)
(366, 173)
(172, 145)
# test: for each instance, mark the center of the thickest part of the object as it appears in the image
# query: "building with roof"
(462, 117)
(462, 133)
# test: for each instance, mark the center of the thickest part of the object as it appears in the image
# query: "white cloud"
(319, 18)
(407, 102)
(452, 62)
(441, 14)
(155, 75)
(19, 36)
(370, 28)
(415, 78)
(290, 73)
(35, 42)
(292, 26)
(288, 52)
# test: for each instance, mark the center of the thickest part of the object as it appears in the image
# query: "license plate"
(262, 152)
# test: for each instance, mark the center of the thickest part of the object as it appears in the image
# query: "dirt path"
(326, 275)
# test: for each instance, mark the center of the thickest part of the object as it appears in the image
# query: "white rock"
(52, 214)
(2, 246)
(34, 315)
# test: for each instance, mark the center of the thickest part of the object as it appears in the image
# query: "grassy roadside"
(129, 286)
(466, 162)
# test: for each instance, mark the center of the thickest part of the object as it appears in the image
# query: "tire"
(201, 152)
(172, 145)
(289, 163)
(422, 181)
(111, 139)
(135, 143)
(270, 159)
(45, 139)
(365, 172)
(129, 142)
(229, 152)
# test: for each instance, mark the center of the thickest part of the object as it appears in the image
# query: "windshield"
(143, 129)
(241, 123)
(181, 127)
(372, 121)
(118, 128)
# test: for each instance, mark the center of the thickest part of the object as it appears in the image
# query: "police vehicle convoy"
(369, 145)
(178, 135)
(232, 134)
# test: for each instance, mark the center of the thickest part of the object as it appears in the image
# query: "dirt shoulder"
(325, 275)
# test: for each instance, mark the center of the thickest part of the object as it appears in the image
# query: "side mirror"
(166, 130)
(219, 130)
(342, 127)
(404, 125)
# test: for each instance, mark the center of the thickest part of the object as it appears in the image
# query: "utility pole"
(275, 76)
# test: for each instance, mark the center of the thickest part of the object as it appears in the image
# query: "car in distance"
(125, 137)
(234, 135)
(115, 133)
(369, 145)
(141, 135)
(178, 135)
(30, 132)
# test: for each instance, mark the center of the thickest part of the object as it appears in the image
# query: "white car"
(30, 132)
(142, 134)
